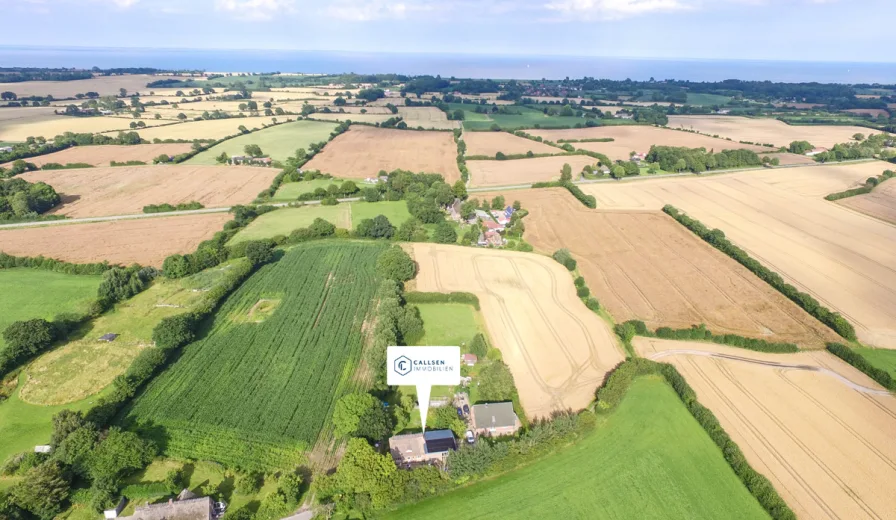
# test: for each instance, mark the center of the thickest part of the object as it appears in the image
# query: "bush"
(855, 359)
(583, 291)
(260, 252)
(433, 297)
(564, 257)
(395, 264)
(592, 304)
(174, 331)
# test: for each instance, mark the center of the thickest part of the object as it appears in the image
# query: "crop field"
(524, 171)
(529, 118)
(819, 429)
(643, 265)
(557, 349)
(490, 143)
(880, 203)
(102, 85)
(873, 112)
(279, 142)
(639, 138)
(359, 118)
(363, 151)
(22, 114)
(789, 159)
(884, 359)
(85, 366)
(252, 394)
(145, 241)
(648, 459)
(762, 130)
(124, 190)
(449, 323)
(210, 129)
(427, 117)
(842, 258)
(102, 155)
(19, 130)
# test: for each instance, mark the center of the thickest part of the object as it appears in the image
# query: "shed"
(43, 448)
(111, 336)
(114, 512)
(469, 359)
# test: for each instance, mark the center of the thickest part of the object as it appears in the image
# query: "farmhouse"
(494, 419)
(422, 448)
(181, 509)
(494, 239)
(493, 226)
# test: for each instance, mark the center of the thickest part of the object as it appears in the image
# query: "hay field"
(558, 350)
(880, 203)
(210, 129)
(146, 241)
(23, 114)
(643, 265)
(524, 171)
(279, 142)
(490, 143)
(50, 127)
(103, 85)
(639, 138)
(789, 159)
(124, 190)
(819, 429)
(842, 258)
(427, 117)
(763, 130)
(102, 155)
(363, 151)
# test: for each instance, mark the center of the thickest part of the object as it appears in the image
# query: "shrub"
(433, 297)
(592, 304)
(855, 359)
(174, 331)
(583, 291)
(395, 264)
(260, 251)
(564, 257)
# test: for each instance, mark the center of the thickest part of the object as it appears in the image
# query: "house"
(422, 448)
(623, 115)
(816, 151)
(114, 512)
(493, 226)
(638, 157)
(494, 419)
(484, 215)
(494, 239)
(108, 338)
(469, 359)
(43, 448)
(604, 170)
(187, 509)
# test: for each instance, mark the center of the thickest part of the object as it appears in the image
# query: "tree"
(348, 188)
(459, 189)
(253, 106)
(223, 158)
(858, 136)
(8, 96)
(371, 194)
(395, 264)
(123, 92)
(253, 150)
(28, 337)
(363, 471)
(479, 346)
(249, 483)
(499, 156)
(260, 251)
(680, 165)
(566, 173)
(339, 102)
(42, 490)
(457, 115)
(182, 116)
(361, 415)
(242, 129)
(378, 227)
(64, 423)
(75, 450)
(120, 452)
(444, 233)
(498, 202)
(174, 331)
(321, 228)
(496, 383)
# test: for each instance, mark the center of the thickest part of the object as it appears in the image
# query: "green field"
(344, 215)
(648, 460)
(279, 142)
(449, 323)
(258, 389)
(707, 99)
(34, 293)
(881, 358)
(290, 191)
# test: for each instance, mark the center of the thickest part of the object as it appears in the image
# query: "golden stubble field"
(490, 143)
(524, 171)
(102, 85)
(210, 129)
(363, 151)
(764, 130)
(557, 349)
(102, 155)
(819, 429)
(124, 190)
(146, 241)
(843, 258)
(50, 126)
(643, 265)
(880, 203)
(639, 138)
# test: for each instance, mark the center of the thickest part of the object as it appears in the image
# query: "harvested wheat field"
(524, 171)
(102, 85)
(427, 117)
(146, 241)
(102, 155)
(842, 258)
(880, 203)
(789, 159)
(50, 127)
(764, 130)
(358, 118)
(20, 114)
(124, 190)
(819, 429)
(558, 350)
(490, 143)
(639, 138)
(643, 265)
(210, 129)
(363, 151)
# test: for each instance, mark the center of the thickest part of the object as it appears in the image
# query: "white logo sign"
(423, 367)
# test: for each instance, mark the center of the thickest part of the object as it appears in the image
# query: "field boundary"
(858, 361)
(868, 187)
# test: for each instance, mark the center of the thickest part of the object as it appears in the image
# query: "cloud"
(124, 4)
(255, 10)
(376, 9)
(615, 9)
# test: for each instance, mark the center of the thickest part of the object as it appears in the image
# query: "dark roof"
(439, 441)
(108, 337)
(494, 415)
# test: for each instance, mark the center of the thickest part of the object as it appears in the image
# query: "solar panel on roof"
(440, 445)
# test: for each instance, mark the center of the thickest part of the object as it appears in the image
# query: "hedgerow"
(631, 328)
(857, 360)
(432, 297)
(868, 187)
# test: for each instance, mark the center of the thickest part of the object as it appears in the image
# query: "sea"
(448, 65)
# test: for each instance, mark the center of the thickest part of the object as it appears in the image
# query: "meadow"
(256, 391)
(279, 142)
(449, 323)
(884, 359)
(647, 460)
(290, 191)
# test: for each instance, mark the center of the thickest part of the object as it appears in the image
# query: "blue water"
(459, 65)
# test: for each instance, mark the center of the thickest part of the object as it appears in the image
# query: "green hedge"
(587, 200)
(857, 360)
(433, 297)
(868, 187)
(617, 384)
(632, 328)
(717, 239)
(50, 264)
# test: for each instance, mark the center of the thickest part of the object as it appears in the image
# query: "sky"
(802, 30)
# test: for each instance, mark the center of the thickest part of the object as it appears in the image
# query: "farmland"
(289, 191)
(557, 349)
(103, 85)
(279, 142)
(102, 155)
(210, 129)
(527, 118)
(19, 130)
(358, 118)
(96, 192)
(788, 159)
(490, 143)
(524, 171)
(267, 389)
(649, 459)
(427, 117)
(840, 257)
(449, 323)
(819, 429)
(363, 151)
(643, 265)
(772, 131)
(639, 138)
(145, 241)
(880, 203)
(884, 359)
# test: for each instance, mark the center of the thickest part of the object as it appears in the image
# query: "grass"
(648, 460)
(449, 324)
(881, 358)
(290, 191)
(707, 99)
(257, 395)
(34, 293)
(279, 142)
(395, 211)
